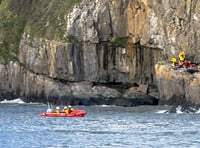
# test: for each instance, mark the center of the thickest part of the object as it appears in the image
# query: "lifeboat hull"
(74, 113)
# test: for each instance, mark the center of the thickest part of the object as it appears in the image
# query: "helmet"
(69, 106)
(173, 60)
(65, 107)
(57, 107)
(182, 53)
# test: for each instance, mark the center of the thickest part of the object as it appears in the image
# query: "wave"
(19, 101)
(181, 110)
(108, 105)
(15, 101)
(162, 111)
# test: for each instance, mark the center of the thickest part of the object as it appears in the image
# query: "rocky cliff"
(92, 50)
(178, 87)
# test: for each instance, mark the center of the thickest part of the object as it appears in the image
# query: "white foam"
(15, 101)
(198, 111)
(193, 109)
(105, 105)
(108, 105)
(178, 110)
(162, 112)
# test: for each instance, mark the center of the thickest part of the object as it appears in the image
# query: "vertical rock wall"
(107, 41)
(95, 51)
(177, 87)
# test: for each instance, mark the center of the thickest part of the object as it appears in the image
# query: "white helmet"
(65, 107)
(57, 107)
(69, 106)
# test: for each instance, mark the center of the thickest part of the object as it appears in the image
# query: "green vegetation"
(71, 39)
(48, 20)
(41, 18)
(118, 41)
(11, 29)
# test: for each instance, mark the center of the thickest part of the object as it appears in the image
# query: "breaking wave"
(15, 101)
(180, 110)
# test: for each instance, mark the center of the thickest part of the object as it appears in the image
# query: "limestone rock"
(101, 41)
(177, 87)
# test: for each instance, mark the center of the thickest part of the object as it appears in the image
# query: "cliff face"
(177, 87)
(67, 49)
(96, 49)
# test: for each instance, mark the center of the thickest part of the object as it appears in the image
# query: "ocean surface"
(102, 127)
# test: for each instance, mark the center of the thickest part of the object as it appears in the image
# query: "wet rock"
(177, 87)
(105, 42)
(183, 109)
(39, 88)
(143, 88)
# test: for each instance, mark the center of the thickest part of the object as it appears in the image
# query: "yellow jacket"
(182, 56)
(57, 111)
(66, 111)
(173, 60)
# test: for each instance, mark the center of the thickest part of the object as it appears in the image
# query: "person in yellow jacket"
(57, 110)
(70, 109)
(65, 110)
(173, 60)
(182, 56)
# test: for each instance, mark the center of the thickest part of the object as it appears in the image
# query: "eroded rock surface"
(178, 86)
(105, 42)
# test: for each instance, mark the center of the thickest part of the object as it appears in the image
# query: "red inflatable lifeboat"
(74, 113)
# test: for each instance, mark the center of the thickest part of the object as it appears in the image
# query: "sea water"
(102, 127)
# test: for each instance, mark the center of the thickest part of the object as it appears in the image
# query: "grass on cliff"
(11, 29)
(48, 18)
(39, 18)
(118, 41)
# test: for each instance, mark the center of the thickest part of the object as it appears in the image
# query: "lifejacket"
(70, 110)
(66, 111)
(57, 111)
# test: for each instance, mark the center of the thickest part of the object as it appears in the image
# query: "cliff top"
(38, 18)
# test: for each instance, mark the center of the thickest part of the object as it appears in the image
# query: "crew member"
(181, 59)
(65, 110)
(182, 56)
(70, 109)
(173, 60)
(57, 109)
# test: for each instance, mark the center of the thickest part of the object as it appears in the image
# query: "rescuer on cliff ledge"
(184, 62)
